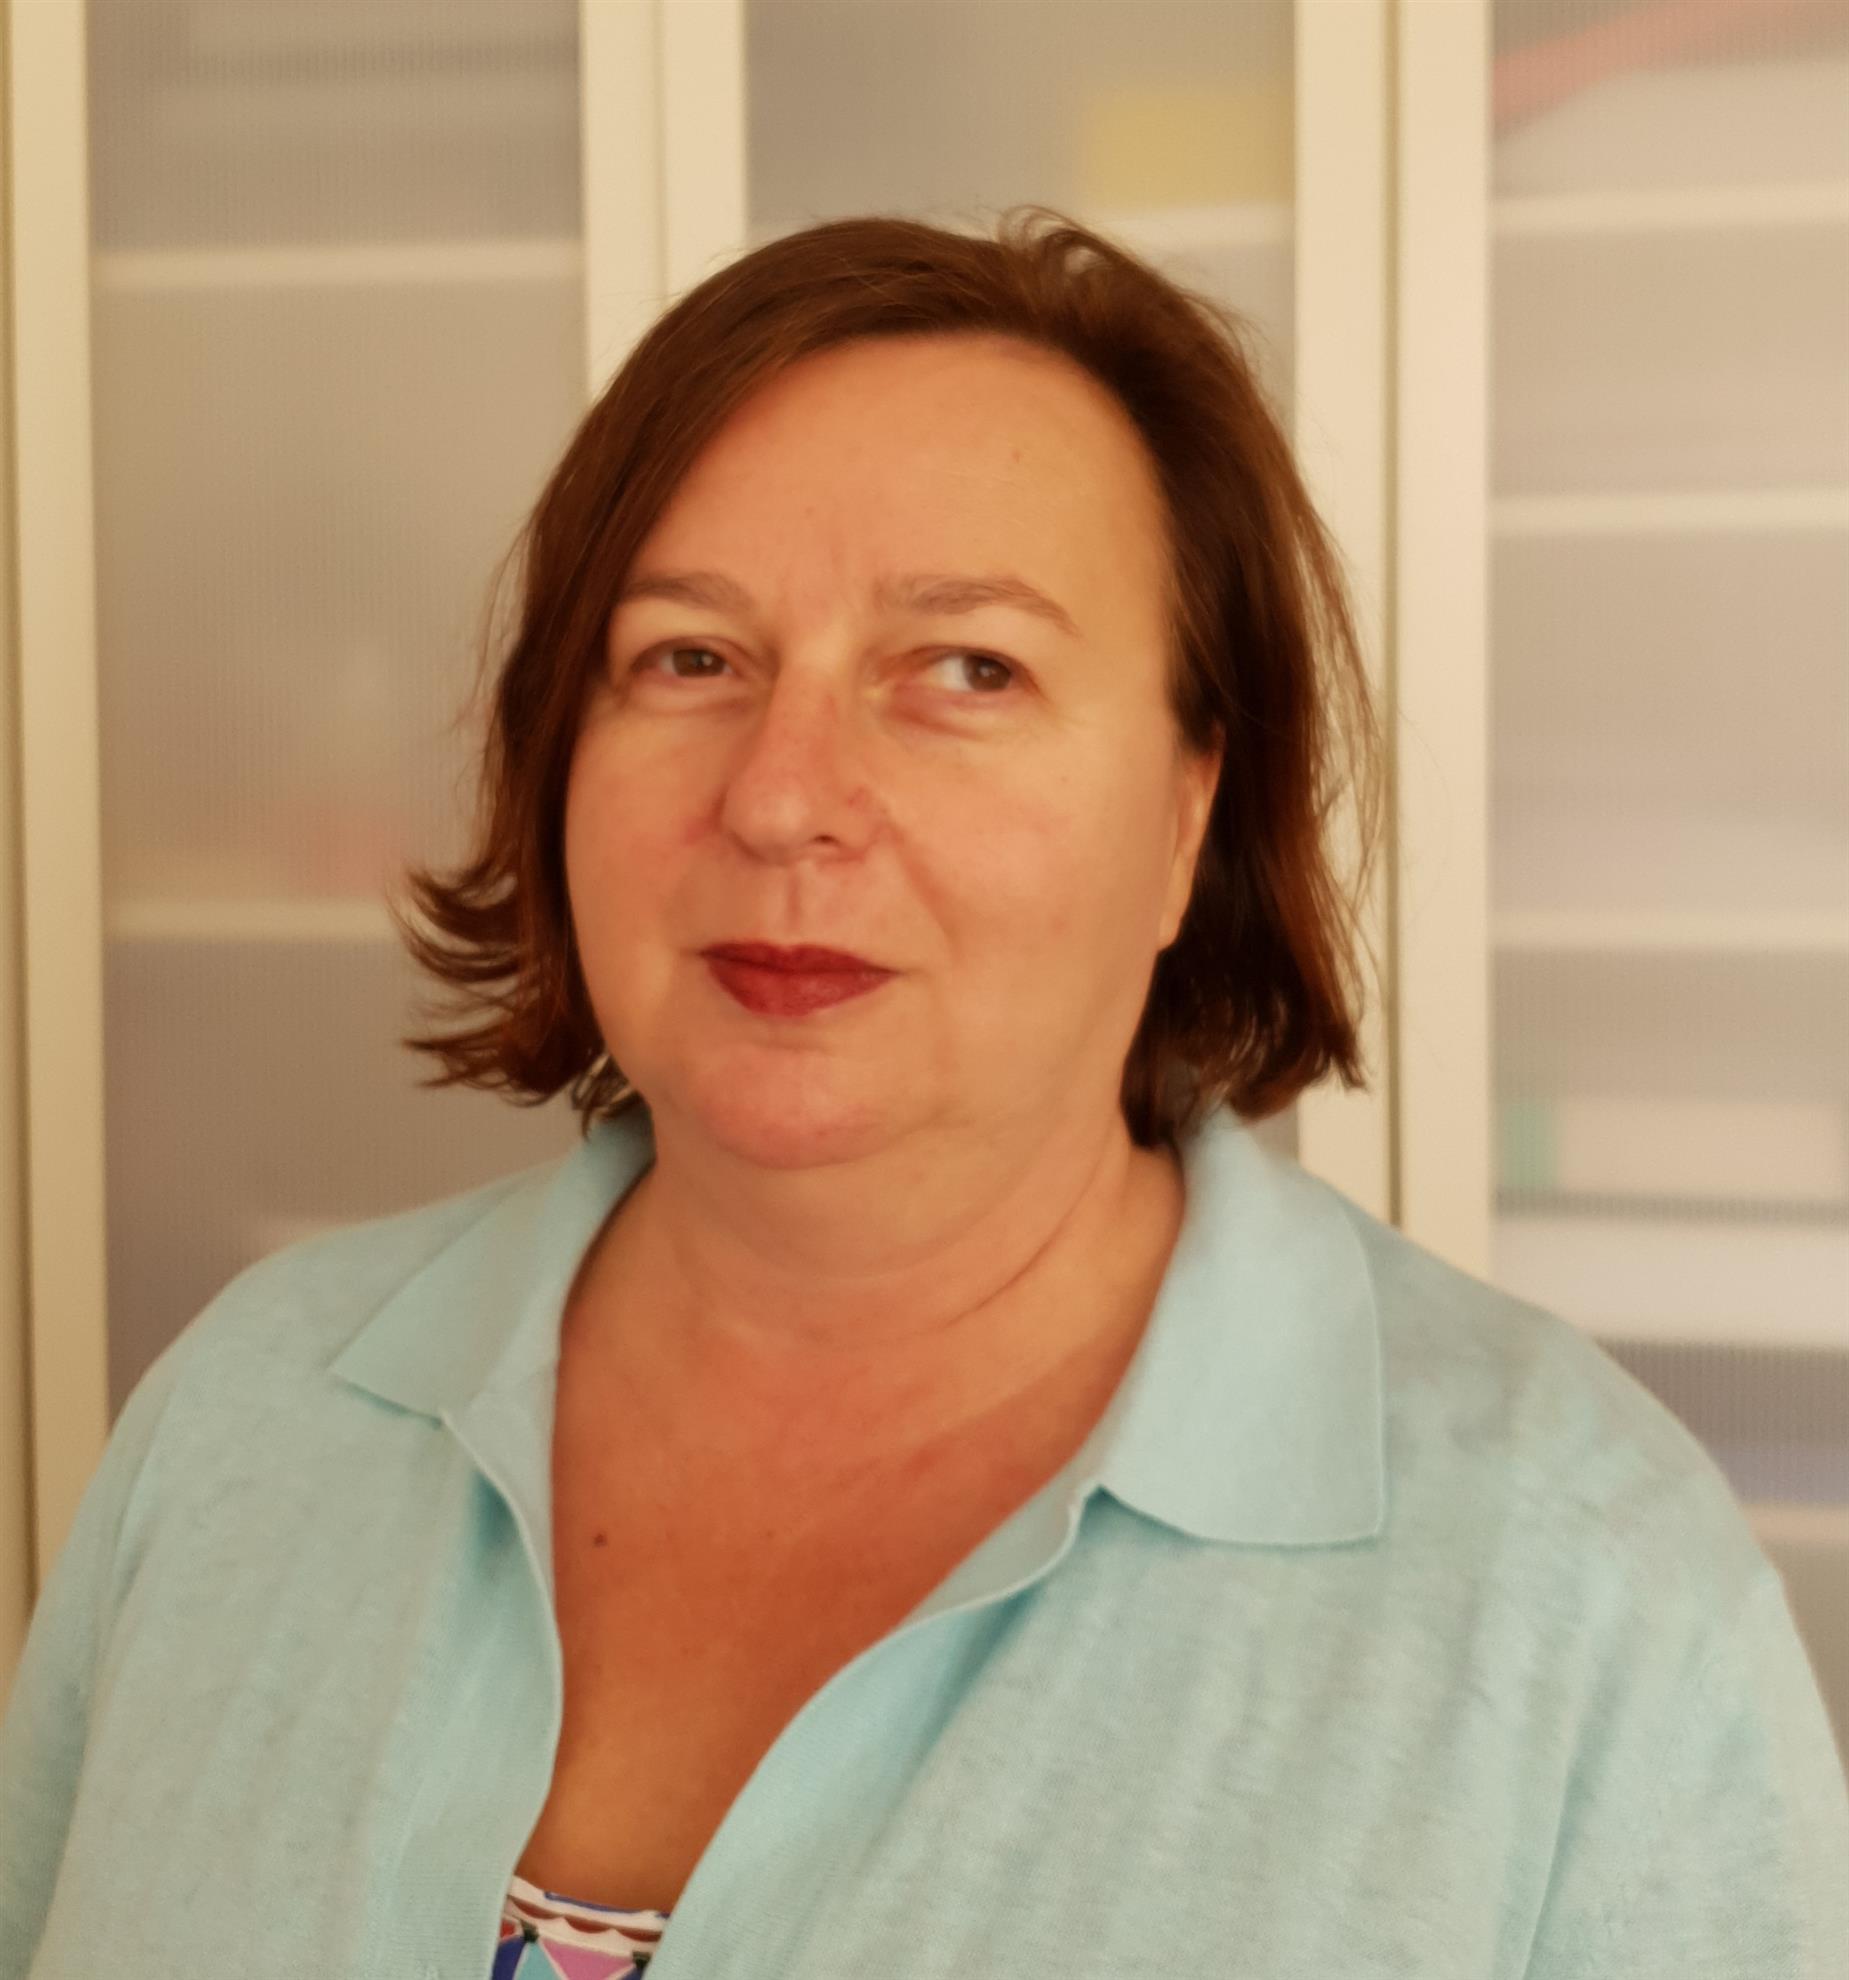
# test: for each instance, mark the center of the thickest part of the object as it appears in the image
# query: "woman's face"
(987, 802)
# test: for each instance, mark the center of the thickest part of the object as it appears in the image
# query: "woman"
(922, 1489)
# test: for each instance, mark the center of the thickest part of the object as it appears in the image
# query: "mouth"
(794, 982)
(803, 960)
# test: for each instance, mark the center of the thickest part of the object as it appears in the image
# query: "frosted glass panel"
(338, 341)
(1168, 124)
(257, 123)
(1670, 728)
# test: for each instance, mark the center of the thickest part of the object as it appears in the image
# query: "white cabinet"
(305, 301)
(1670, 740)
(1644, 813)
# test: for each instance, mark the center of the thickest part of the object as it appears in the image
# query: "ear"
(1198, 778)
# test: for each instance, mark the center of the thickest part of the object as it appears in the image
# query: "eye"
(980, 659)
(648, 662)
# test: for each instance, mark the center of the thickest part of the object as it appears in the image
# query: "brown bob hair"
(1259, 994)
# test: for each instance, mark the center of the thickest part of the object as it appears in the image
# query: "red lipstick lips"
(769, 955)
(774, 981)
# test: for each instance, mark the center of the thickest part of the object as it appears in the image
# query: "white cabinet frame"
(60, 819)
(1443, 1099)
(1342, 427)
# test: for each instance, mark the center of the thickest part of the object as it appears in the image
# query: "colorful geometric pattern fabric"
(548, 1937)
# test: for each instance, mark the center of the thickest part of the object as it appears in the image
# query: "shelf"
(1661, 512)
(367, 264)
(1209, 228)
(1761, 1284)
(335, 919)
(1798, 1523)
(1666, 1157)
(1666, 933)
(1589, 849)
(1674, 210)
(1686, 128)
(1201, 229)
(1172, 229)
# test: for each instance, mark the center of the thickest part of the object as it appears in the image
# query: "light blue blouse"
(1383, 1626)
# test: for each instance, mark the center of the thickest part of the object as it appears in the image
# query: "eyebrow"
(926, 592)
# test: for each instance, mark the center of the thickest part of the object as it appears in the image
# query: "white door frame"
(1341, 429)
(1441, 630)
(60, 819)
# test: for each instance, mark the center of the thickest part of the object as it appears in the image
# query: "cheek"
(589, 855)
(1082, 871)
(620, 842)
(1018, 877)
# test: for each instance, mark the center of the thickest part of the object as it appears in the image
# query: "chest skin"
(698, 1613)
(701, 1604)
(683, 1661)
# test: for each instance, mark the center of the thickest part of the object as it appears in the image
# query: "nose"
(799, 773)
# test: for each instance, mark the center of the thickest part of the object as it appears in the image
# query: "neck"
(803, 1319)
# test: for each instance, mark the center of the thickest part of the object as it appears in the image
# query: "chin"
(786, 1110)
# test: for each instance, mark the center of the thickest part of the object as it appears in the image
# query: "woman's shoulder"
(303, 1301)
(1506, 1418)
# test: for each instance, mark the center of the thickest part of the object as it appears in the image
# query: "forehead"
(894, 454)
